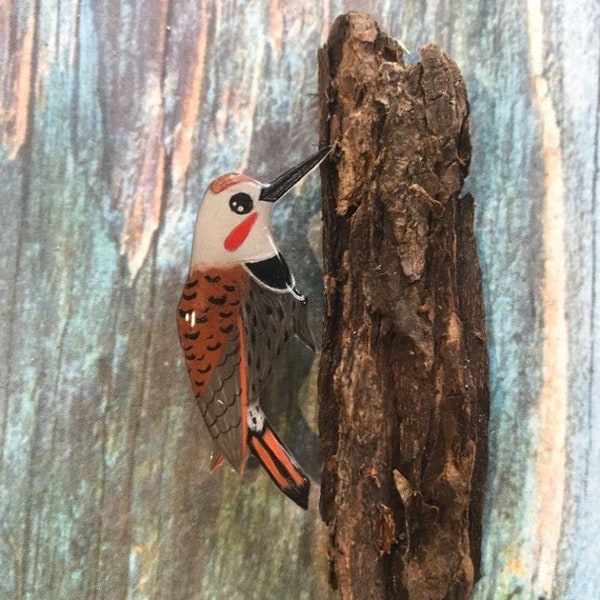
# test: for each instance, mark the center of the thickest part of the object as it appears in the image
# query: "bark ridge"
(403, 375)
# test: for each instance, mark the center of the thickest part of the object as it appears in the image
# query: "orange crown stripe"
(225, 181)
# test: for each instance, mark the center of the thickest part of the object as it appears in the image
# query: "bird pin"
(239, 306)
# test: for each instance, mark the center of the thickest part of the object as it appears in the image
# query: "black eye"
(241, 203)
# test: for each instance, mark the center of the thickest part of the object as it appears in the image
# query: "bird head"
(233, 223)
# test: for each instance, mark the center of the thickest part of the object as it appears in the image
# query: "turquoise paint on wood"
(103, 488)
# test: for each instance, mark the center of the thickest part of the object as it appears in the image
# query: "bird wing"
(210, 333)
(269, 319)
(223, 405)
(231, 330)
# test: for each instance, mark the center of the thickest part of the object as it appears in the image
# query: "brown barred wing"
(223, 405)
(208, 321)
(270, 319)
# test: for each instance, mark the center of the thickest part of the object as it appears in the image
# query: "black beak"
(278, 187)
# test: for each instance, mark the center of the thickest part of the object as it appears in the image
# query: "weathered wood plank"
(113, 117)
(113, 480)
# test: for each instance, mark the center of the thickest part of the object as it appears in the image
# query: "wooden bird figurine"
(239, 306)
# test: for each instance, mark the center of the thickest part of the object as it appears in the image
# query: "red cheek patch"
(239, 233)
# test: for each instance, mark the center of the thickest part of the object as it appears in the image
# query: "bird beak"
(279, 186)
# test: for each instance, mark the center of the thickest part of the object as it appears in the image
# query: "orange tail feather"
(280, 464)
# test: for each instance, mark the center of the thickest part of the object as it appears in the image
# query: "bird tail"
(280, 464)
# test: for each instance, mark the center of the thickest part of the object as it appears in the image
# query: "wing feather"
(270, 319)
(210, 335)
(222, 407)
(232, 329)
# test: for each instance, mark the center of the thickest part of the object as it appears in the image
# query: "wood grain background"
(114, 116)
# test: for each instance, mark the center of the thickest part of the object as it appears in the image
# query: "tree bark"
(403, 377)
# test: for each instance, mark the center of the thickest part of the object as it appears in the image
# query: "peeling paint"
(142, 216)
(276, 25)
(15, 95)
(551, 458)
(183, 147)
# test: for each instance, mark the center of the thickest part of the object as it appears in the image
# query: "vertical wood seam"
(551, 458)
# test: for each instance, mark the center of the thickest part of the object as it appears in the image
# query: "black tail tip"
(281, 466)
(299, 494)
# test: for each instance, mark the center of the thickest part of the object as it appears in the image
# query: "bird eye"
(240, 203)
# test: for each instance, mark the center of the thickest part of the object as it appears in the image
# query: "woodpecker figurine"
(239, 306)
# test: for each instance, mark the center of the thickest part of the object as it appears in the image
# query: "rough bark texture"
(404, 369)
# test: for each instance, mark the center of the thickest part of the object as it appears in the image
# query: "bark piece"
(403, 374)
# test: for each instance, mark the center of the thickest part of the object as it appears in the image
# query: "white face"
(233, 225)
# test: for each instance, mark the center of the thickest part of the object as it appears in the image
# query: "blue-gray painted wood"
(103, 484)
